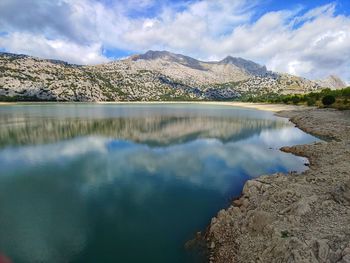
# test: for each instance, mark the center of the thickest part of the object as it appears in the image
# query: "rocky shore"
(295, 217)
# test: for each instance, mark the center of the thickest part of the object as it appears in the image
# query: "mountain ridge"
(172, 57)
(154, 75)
(248, 65)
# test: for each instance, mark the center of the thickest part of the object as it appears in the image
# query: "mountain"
(249, 66)
(171, 57)
(332, 82)
(185, 69)
(155, 75)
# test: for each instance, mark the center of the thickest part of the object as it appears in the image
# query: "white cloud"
(37, 45)
(312, 43)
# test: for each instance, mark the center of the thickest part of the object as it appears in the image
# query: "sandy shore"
(295, 218)
(258, 106)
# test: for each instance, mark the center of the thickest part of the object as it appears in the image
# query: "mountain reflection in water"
(21, 127)
(95, 183)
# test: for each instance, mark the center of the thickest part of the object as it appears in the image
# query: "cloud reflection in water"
(121, 188)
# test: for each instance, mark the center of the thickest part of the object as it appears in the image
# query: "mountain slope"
(155, 75)
(25, 77)
(248, 66)
(332, 82)
(185, 69)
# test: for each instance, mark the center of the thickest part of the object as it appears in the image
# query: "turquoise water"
(127, 183)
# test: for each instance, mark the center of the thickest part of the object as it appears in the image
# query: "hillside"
(24, 76)
(155, 75)
(332, 82)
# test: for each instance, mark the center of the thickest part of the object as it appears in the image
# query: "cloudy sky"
(307, 38)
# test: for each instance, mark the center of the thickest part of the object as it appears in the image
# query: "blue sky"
(306, 38)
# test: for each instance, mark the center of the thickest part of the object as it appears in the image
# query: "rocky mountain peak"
(169, 57)
(151, 55)
(247, 65)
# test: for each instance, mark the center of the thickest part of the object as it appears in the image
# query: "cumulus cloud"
(38, 45)
(311, 43)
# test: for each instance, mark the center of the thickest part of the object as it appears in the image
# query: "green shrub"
(285, 234)
(328, 100)
(310, 101)
(295, 99)
(346, 92)
(326, 91)
(285, 100)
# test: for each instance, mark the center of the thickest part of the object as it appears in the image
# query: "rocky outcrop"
(295, 217)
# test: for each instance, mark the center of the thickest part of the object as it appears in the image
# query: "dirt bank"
(294, 218)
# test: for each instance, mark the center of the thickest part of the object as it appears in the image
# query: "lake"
(127, 182)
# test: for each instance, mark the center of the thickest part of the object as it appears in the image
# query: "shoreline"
(248, 105)
(296, 218)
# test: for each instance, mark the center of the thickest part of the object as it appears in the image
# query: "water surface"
(127, 183)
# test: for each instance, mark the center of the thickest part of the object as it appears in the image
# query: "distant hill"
(155, 75)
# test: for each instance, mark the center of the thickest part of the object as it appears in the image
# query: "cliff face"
(155, 75)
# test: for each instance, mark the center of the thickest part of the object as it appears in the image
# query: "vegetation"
(339, 99)
(328, 100)
(18, 98)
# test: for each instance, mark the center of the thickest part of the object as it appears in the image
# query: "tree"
(328, 100)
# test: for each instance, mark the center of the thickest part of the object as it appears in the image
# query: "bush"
(326, 91)
(328, 100)
(346, 92)
(295, 99)
(286, 99)
(310, 101)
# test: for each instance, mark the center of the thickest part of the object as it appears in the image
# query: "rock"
(346, 255)
(341, 193)
(303, 206)
(258, 220)
(321, 250)
(345, 259)
(299, 218)
(251, 188)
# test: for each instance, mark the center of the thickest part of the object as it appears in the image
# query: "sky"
(306, 38)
